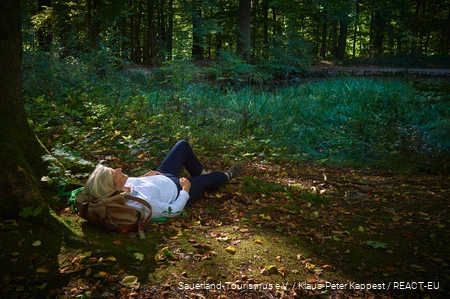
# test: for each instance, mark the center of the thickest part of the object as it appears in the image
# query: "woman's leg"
(206, 182)
(181, 155)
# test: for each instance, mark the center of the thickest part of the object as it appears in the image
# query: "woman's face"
(119, 178)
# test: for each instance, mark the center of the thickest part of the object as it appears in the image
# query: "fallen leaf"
(258, 241)
(132, 249)
(265, 217)
(42, 270)
(283, 271)
(129, 280)
(327, 267)
(230, 250)
(222, 239)
(118, 243)
(269, 270)
(284, 210)
(110, 258)
(101, 274)
(37, 243)
(310, 266)
(139, 256)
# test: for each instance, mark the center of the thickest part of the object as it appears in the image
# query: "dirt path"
(328, 70)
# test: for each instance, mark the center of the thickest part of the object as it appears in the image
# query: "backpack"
(112, 214)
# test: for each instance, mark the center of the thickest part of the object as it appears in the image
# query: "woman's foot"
(234, 171)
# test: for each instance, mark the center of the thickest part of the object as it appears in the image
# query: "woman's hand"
(150, 173)
(185, 184)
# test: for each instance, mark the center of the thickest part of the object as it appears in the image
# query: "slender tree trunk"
(243, 36)
(415, 29)
(265, 13)
(169, 47)
(444, 45)
(123, 45)
(93, 22)
(162, 34)
(137, 38)
(379, 26)
(197, 32)
(149, 43)
(355, 31)
(219, 36)
(274, 22)
(45, 37)
(20, 151)
(132, 34)
(333, 38)
(323, 44)
(255, 26)
(343, 29)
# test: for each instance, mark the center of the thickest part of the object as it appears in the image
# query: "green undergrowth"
(122, 115)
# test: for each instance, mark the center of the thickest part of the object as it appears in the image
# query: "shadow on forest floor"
(280, 231)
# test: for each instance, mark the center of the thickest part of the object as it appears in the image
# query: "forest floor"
(278, 231)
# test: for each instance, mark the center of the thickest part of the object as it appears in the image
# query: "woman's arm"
(175, 208)
(152, 172)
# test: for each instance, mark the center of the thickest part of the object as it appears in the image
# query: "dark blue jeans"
(182, 155)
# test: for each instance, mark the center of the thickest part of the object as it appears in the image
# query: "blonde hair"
(100, 183)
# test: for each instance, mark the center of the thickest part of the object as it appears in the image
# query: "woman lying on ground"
(163, 189)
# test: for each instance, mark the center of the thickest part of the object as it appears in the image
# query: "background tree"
(197, 30)
(152, 31)
(150, 36)
(243, 34)
(21, 151)
(44, 29)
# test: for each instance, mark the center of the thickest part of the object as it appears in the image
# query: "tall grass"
(354, 121)
(386, 123)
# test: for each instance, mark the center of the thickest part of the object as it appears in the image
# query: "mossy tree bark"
(20, 150)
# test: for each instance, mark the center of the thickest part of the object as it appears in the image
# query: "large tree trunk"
(20, 154)
(243, 36)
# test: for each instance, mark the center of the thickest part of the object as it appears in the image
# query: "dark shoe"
(234, 171)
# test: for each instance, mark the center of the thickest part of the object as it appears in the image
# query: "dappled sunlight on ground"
(279, 231)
